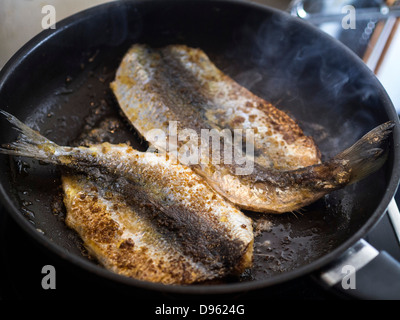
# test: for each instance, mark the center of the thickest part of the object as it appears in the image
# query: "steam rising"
(305, 74)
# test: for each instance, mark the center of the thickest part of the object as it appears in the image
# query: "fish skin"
(125, 242)
(169, 227)
(178, 83)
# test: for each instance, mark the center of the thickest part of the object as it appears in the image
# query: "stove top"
(23, 259)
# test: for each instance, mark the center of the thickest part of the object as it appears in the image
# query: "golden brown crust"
(173, 230)
(103, 236)
(273, 117)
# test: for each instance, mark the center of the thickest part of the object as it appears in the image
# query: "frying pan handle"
(364, 273)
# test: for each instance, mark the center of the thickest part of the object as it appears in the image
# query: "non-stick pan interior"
(59, 85)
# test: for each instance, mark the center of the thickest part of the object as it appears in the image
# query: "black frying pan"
(59, 82)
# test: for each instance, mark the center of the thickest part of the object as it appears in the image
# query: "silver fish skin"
(142, 216)
(176, 83)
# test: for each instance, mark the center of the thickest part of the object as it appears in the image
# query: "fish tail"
(368, 154)
(30, 143)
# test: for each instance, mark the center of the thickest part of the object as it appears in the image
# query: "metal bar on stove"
(394, 215)
(378, 13)
(378, 49)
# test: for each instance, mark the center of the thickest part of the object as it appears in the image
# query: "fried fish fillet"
(178, 84)
(142, 216)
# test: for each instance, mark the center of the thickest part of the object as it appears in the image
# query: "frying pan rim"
(312, 267)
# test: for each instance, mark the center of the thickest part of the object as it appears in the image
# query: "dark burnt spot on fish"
(127, 244)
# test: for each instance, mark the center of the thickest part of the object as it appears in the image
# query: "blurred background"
(375, 38)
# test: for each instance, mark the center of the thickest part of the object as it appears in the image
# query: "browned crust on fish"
(102, 236)
(187, 241)
(279, 122)
(274, 118)
(271, 117)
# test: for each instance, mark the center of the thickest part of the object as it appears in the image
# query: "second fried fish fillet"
(142, 216)
(179, 85)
